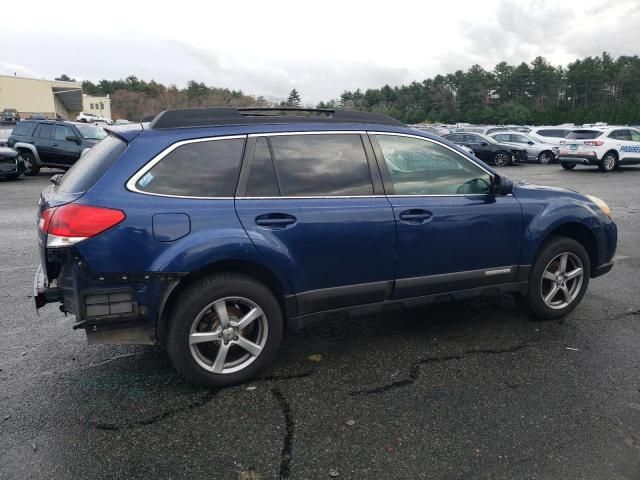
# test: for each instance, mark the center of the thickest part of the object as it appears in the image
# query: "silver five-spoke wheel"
(228, 335)
(562, 280)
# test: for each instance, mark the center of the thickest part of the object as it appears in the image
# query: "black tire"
(553, 248)
(545, 157)
(609, 162)
(31, 168)
(502, 159)
(199, 298)
(567, 165)
(83, 120)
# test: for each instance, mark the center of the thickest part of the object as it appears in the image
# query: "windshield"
(91, 132)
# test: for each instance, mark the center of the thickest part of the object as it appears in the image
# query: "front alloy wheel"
(561, 280)
(502, 159)
(545, 158)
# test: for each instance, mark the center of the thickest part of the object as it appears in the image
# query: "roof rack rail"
(208, 117)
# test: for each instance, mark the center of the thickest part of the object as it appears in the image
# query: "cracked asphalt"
(457, 391)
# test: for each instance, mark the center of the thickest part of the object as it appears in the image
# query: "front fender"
(31, 148)
(544, 211)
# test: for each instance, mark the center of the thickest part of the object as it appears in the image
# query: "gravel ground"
(456, 391)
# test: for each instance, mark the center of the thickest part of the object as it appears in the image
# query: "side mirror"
(56, 178)
(502, 185)
(484, 144)
(73, 138)
(530, 142)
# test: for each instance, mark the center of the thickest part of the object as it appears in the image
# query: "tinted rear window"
(584, 134)
(199, 169)
(321, 165)
(90, 167)
(22, 128)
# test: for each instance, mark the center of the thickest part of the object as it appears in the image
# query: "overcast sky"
(320, 48)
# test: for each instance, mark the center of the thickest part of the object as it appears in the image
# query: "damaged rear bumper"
(42, 293)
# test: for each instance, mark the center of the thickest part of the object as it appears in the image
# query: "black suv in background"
(488, 149)
(52, 143)
(9, 116)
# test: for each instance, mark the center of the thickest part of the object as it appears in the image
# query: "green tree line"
(134, 99)
(587, 90)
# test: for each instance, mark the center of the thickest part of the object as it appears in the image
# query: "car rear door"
(42, 141)
(313, 204)
(452, 232)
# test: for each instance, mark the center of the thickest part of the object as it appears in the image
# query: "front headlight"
(601, 203)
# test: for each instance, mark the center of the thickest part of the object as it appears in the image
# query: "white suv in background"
(606, 148)
(551, 134)
(91, 118)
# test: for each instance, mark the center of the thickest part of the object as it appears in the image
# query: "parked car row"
(601, 145)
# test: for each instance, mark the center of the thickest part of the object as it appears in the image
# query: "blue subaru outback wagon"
(210, 231)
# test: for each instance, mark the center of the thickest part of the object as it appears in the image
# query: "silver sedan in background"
(537, 151)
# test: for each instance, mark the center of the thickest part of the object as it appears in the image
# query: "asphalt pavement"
(471, 390)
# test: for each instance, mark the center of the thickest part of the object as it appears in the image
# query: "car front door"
(479, 146)
(313, 204)
(453, 233)
(66, 152)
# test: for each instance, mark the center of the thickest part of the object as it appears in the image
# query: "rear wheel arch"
(251, 269)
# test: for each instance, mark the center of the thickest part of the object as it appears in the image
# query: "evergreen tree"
(293, 100)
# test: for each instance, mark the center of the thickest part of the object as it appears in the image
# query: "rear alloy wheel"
(545, 158)
(568, 166)
(609, 162)
(31, 168)
(224, 330)
(502, 159)
(559, 278)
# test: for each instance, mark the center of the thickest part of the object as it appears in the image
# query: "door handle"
(275, 220)
(416, 215)
(54, 145)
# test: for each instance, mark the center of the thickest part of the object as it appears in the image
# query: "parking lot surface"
(456, 391)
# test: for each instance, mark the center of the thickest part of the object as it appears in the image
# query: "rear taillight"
(72, 223)
(594, 143)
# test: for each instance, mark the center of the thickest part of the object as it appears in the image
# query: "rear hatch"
(69, 188)
(580, 141)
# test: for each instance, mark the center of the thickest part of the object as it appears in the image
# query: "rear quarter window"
(23, 128)
(200, 169)
(92, 165)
